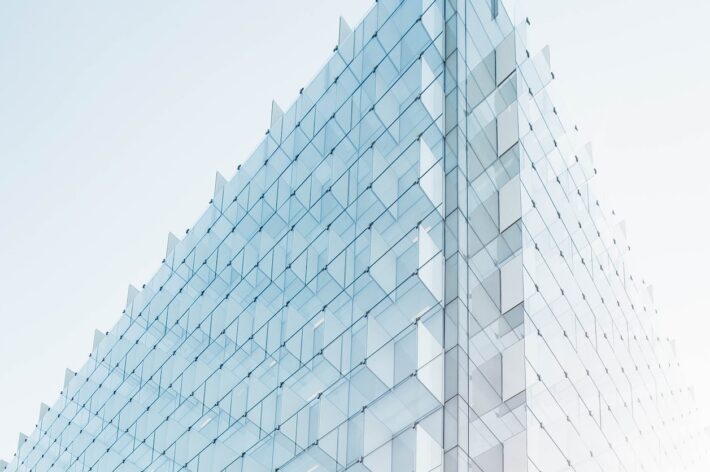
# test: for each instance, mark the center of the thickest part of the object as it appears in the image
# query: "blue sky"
(114, 117)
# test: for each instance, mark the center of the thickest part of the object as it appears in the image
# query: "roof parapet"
(172, 242)
(344, 30)
(132, 292)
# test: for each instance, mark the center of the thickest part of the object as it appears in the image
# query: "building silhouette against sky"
(410, 273)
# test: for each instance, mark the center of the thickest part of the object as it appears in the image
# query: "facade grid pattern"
(410, 273)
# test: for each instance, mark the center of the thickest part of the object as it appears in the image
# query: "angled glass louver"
(409, 274)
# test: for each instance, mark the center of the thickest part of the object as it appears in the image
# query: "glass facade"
(410, 273)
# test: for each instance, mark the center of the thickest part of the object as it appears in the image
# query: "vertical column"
(456, 385)
(484, 421)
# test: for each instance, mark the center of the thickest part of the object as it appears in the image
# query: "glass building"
(410, 273)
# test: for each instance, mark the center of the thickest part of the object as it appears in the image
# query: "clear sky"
(114, 117)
